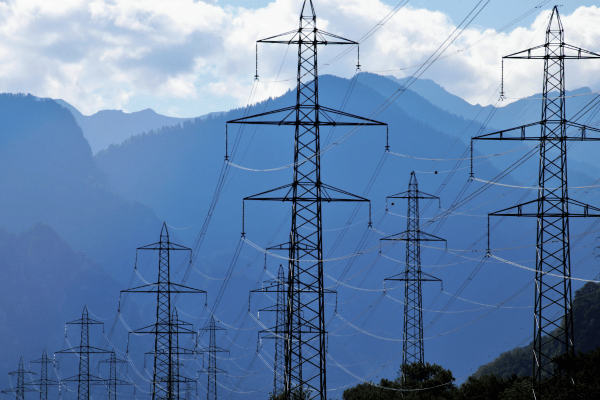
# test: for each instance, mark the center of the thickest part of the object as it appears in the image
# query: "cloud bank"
(187, 58)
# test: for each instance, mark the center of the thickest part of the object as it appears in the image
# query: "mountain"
(175, 171)
(512, 113)
(45, 284)
(586, 325)
(50, 176)
(106, 205)
(439, 97)
(108, 127)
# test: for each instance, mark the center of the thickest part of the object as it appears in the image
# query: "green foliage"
(417, 381)
(486, 387)
(432, 382)
(298, 393)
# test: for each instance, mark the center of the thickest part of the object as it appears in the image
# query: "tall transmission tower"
(413, 277)
(305, 347)
(553, 300)
(84, 351)
(212, 350)
(188, 391)
(167, 328)
(21, 387)
(112, 382)
(44, 383)
(277, 286)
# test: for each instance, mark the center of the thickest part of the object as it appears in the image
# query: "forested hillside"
(509, 376)
(586, 324)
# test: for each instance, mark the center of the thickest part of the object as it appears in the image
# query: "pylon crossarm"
(171, 287)
(288, 111)
(81, 321)
(185, 352)
(270, 289)
(325, 111)
(402, 277)
(145, 330)
(530, 209)
(164, 246)
(500, 135)
(91, 349)
(301, 246)
(531, 54)
(349, 196)
(296, 39)
(328, 117)
(421, 237)
(584, 209)
(217, 349)
(407, 194)
(288, 195)
(285, 198)
(94, 380)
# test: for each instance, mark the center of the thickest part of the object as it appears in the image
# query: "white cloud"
(99, 54)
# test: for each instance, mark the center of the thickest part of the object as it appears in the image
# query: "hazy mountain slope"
(108, 127)
(464, 120)
(46, 284)
(49, 176)
(439, 97)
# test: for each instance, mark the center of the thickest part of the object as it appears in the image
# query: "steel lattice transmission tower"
(84, 351)
(305, 349)
(112, 382)
(277, 333)
(21, 387)
(167, 328)
(44, 383)
(412, 350)
(212, 350)
(553, 207)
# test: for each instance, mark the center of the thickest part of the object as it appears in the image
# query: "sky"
(187, 58)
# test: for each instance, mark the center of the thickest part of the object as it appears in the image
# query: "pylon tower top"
(305, 348)
(553, 208)
(412, 276)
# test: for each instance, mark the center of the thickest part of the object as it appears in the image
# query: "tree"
(486, 387)
(298, 393)
(417, 381)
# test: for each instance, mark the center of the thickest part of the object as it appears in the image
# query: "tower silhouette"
(412, 350)
(44, 383)
(84, 351)
(276, 333)
(21, 387)
(305, 335)
(112, 382)
(167, 328)
(212, 350)
(553, 207)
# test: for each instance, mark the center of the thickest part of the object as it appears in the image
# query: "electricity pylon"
(212, 350)
(553, 207)
(21, 387)
(305, 349)
(277, 332)
(412, 350)
(167, 328)
(84, 351)
(112, 382)
(44, 383)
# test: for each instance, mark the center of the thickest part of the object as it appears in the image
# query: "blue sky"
(492, 17)
(190, 57)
